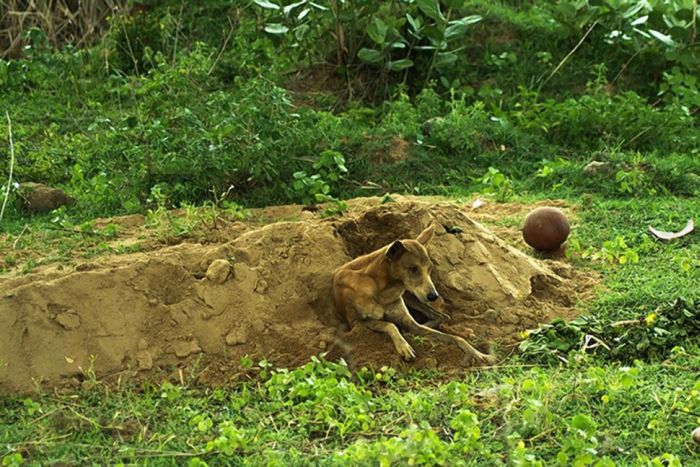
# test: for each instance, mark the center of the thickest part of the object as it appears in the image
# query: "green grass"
(321, 414)
(594, 408)
(208, 112)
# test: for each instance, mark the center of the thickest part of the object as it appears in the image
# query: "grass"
(320, 413)
(627, 412)
(206, 121)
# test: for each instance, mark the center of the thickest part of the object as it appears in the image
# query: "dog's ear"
(425, 236)
(395, 250)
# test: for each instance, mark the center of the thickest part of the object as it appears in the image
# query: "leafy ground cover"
(212, 108)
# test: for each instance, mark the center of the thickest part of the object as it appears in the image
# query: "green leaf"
(431, 8)
(640, 20)
(318, 7)
(459, 27)
(684, 14)
(267, 5)
(400, 64)
(276, 28)
(377, 30)
(292, 6)
(445, 59)
(662, 37)
(301, 31)
(584, 423)
(416, 23)
(370, 55)
(633, 10)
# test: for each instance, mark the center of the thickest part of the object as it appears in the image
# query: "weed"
(496, 183)
(316, 188)
(649, 336)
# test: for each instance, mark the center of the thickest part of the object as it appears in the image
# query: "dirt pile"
(266, 293)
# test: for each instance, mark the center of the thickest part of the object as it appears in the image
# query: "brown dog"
(370, 289)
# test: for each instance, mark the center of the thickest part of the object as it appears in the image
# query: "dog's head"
(411, 265)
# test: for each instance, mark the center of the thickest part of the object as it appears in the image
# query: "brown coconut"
(545, 229)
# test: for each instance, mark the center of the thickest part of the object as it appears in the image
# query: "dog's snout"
(432, 296)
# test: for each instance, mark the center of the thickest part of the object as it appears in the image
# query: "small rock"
(218, 271)
(143, 344)
(69, 320)
(509, 318)
(145, 359)
(322, 345)
(184, 348)
(237, 336)
(260, 286)
(153, 302)
(597, 167)
(490, 315)
(41, 198)
(206, 314)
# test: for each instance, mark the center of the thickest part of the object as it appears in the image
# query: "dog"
(370, 290)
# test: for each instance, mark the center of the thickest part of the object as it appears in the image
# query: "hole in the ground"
(381, 226)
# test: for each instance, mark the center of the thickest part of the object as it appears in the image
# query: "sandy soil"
(262, 289)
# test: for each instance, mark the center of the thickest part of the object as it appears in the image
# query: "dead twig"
(626, 322)
(14, 244)
(568, 56)
(223, 47)
(12, 166)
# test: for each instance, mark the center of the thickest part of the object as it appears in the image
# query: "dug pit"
(196, 309)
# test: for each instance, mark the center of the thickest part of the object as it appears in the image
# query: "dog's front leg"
(402, 347)
(398, 313)
(434, 315)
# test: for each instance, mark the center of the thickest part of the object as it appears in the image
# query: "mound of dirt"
(267, 294)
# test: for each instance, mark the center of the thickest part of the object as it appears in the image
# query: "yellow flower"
(651, 317)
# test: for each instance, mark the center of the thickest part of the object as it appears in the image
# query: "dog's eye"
(414, 270)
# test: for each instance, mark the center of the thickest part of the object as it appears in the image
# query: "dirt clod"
(218, 271)
(144, 359)
(153, 311)
(185, 348)
(69, 320)
(237, 336)
(597, 167)
(41, 198)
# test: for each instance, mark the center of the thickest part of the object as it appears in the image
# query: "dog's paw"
(483, 358)
(474, 355)
(406, 351)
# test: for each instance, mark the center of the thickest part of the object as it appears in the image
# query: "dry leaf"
(689, 227)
